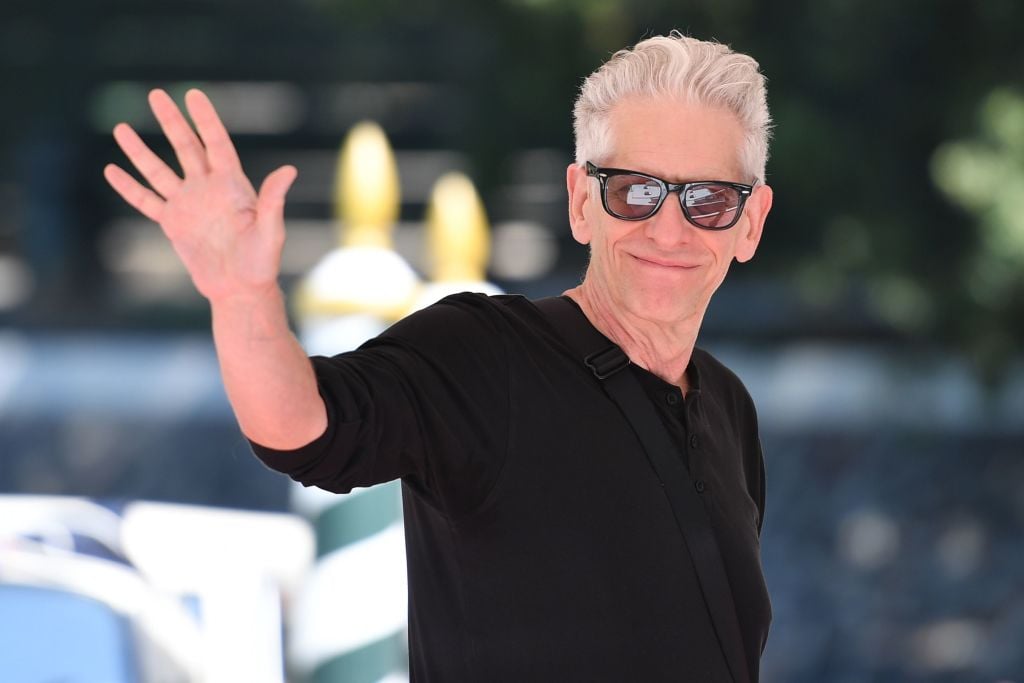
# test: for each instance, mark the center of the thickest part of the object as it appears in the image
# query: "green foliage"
(984, 174)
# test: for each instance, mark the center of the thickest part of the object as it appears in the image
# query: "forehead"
(675, 140)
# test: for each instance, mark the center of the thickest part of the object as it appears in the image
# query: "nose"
(668, 226)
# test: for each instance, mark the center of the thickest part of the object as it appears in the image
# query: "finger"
(158, 174)
(144, 200)
(187, 147)
(220, 151)
(270, 203)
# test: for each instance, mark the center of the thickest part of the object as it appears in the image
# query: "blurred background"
(879, 329)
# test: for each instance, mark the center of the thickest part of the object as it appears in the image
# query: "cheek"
(614, 241)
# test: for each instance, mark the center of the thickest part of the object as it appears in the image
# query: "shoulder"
(723, 385)
(466, 329)
(713, 370)
(461, 313)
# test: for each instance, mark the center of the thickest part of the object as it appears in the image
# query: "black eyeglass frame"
(667, 188)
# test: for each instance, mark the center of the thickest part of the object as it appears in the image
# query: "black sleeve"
(426, 401)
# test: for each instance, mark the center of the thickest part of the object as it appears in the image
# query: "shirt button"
(699, 485)
(672, 398)
(694, 441)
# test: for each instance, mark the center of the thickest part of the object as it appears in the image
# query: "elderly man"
(549, 536)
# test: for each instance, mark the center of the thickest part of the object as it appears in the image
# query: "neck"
(662, 348)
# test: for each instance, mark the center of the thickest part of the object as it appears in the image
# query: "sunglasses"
(634, 196)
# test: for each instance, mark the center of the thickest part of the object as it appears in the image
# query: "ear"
(755, 212)
(577, 182)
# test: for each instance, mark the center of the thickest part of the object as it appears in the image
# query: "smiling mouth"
(665, 264)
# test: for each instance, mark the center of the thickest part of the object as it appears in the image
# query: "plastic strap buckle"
(607, 362)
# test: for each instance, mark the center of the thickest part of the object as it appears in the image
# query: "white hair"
(691, 70)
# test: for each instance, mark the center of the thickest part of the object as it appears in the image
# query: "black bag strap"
(606, 360)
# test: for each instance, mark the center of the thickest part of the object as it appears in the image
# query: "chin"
(663, 308)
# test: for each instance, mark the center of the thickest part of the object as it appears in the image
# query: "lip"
(665, 263)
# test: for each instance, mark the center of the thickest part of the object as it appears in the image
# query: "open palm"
(228, 236)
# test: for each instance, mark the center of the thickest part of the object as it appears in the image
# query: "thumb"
(270, 202)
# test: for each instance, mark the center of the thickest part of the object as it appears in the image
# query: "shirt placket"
(692, 438)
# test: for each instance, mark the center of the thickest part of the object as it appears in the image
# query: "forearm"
(267, 375)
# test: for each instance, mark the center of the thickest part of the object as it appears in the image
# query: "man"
(541, 545)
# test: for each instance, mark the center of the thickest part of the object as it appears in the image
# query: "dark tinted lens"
(711, 205)
(632, 196)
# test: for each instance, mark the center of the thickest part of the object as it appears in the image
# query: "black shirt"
(540, 546)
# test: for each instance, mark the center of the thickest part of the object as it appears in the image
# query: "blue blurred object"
(48, 634)
(144, 592)
(72, 606)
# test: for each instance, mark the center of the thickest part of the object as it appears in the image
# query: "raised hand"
(228, 237)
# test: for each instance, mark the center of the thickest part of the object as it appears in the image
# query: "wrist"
(250, 298)
(254, 313)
